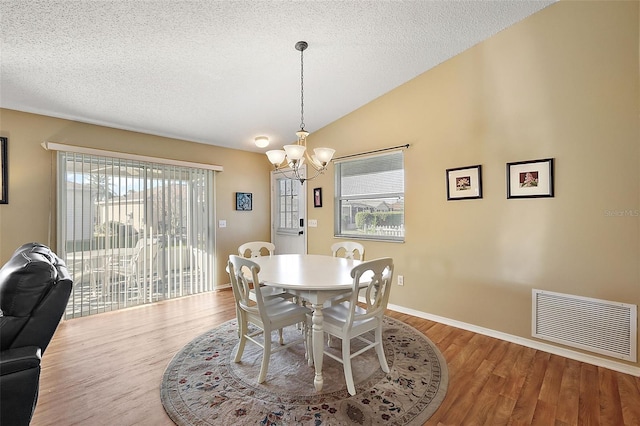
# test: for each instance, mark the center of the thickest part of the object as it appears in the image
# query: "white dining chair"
(348, 320)
(254, 249)
(266, 316)
(349, 250)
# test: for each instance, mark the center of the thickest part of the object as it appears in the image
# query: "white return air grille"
(600, 326)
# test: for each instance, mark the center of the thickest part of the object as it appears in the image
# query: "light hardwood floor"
(107, 369)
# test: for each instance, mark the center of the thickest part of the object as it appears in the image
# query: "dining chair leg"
(306, 347)
(238, 318)
(308, 342)
(280, 338)
(346, 361)
(380, 351)
(242, 327)
(299, 301)
(266, 354)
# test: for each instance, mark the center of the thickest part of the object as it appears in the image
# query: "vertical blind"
(133, 232)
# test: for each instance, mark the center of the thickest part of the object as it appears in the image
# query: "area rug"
(203, 386)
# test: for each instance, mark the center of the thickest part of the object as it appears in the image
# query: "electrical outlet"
(400, 280)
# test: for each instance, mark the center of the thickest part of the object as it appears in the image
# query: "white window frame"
(382, 233)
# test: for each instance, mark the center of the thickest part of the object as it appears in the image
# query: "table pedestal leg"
(318, 345)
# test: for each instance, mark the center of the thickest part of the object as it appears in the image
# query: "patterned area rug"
(203, 386)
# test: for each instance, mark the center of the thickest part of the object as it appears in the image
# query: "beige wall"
(561, 84)
(30, 214)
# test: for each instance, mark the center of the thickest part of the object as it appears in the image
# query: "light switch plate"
(313, 223)
(222, 224)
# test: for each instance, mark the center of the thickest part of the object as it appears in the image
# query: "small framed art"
(4, 172)
(530, 179)
(317, 197)
(464, 183)
(244, 201)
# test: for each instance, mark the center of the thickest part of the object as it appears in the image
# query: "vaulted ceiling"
(223, 72)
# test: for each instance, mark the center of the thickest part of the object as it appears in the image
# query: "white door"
(288, 215)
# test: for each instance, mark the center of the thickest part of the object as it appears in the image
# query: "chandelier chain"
(301, 89)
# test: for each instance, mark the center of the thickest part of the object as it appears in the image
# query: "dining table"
(314, 278)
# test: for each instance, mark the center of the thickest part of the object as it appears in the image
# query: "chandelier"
(293, 156)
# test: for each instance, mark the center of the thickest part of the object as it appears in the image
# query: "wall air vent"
(600, 326)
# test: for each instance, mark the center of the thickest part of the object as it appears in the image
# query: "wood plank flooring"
(107, 369)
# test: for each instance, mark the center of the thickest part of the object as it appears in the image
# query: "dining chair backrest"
(379, 275)
(256, 249)
(348, 249)
(242, 285)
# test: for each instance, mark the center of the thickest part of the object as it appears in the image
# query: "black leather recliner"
(35, 286)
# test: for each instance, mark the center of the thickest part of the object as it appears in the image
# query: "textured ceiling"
(224, 72)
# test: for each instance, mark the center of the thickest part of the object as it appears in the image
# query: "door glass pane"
(288, 202)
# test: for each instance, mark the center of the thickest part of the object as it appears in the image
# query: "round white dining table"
(315, 278)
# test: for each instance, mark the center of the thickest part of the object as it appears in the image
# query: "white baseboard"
(567, 353)
(223, 286)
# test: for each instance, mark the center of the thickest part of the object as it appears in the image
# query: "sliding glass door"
(134, 232)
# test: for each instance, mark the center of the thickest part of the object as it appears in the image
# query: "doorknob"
(300, 232)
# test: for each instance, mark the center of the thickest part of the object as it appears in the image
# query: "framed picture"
(317, 197)
(464, 183)
(4, 172)
(244, 201)
(530, 179)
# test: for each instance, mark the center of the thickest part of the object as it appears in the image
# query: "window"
(133, 232)
(370, 197)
